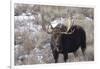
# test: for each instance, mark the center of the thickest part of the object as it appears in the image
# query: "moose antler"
(69, 23)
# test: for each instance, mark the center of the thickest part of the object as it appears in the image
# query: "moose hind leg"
(65, 56)
(55, 54)
(83, 44)
(83, 48)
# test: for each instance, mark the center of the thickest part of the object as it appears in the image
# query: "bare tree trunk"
(43, 22)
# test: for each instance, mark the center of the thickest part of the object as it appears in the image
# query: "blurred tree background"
(32, 43)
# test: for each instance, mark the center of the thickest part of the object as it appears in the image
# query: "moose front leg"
(65, 56)
(55, 55)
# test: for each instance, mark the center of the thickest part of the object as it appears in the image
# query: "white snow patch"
(24, 17)
(89, 19)
(58, 21)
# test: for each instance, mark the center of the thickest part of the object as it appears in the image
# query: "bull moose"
(62, 42)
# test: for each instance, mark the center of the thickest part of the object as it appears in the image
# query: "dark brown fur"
(66, 43)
